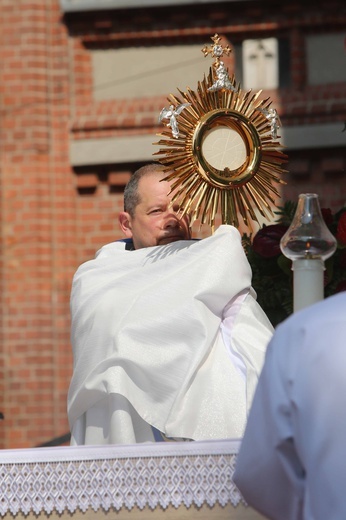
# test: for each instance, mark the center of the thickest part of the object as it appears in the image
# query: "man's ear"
(125, 223)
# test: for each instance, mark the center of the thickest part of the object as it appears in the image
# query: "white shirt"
(292, 460)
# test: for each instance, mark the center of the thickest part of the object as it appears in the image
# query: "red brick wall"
(38, 224)
(53, 218)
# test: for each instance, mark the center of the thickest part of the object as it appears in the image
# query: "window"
(263, 63)
(326, 58)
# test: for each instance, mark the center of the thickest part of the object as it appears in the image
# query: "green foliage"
(272, 276)
(286, 212)
(272, 280)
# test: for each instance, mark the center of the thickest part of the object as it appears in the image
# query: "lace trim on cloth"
(83, 477)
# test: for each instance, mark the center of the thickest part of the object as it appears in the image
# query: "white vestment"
(169, 337)
(292, 460)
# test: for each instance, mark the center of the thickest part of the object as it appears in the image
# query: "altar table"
(169, 480)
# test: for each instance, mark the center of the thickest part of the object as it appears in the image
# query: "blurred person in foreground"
(168, 339)
(292, 460)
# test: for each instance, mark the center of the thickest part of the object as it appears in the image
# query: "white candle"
(308, 282)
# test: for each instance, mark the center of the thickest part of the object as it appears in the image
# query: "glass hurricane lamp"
(308, 243)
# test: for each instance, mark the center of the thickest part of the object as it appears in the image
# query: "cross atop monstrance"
(221, 77)
(216, 50)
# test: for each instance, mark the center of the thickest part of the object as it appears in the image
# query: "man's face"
(155, 221)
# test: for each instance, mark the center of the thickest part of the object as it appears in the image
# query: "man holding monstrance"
(168, 338)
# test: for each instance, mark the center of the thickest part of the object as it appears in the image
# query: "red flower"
(327, 216)
(341, 229)
(267, 240)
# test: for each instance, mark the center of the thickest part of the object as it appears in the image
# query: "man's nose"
(172, 218)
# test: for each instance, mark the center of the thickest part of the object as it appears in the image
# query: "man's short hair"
(131, 195)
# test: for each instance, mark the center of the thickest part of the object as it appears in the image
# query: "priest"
(168, 339)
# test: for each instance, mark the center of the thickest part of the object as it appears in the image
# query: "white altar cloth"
(67, 479)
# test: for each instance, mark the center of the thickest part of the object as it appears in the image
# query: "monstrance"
(221, 152)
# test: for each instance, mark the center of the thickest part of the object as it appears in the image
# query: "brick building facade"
(81, 87)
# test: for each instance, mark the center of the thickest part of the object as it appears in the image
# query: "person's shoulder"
(128, 243)
(114, 247)
(332, 306)
(330, 309)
